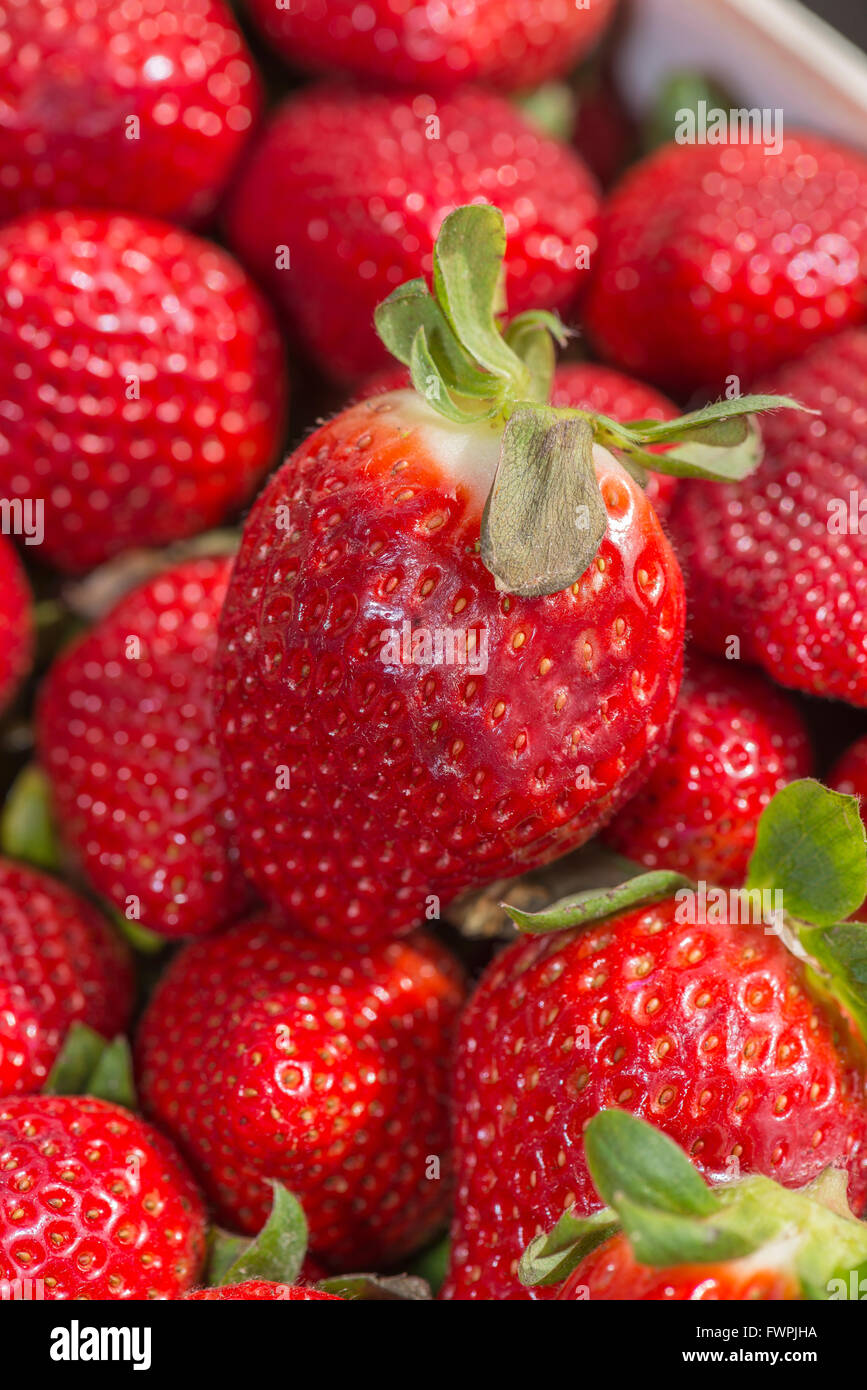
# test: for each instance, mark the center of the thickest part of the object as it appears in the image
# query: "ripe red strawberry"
(592, 387)
(59, 963)
(94, 1203)
(710, 1030)
(419, 690)
(145, 109)
(351, 188)
(141, 386)
(507, 42)
(267, 1056)
(125, 736)
(664, 1235)
(256, 1290)
(724, 260)
(849, 775)
(779, 560)
(736, 740)
(16, 626)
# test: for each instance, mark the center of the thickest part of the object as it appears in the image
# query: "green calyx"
(277, 1255)
(90, 1065)
(27, 829)
(807, 873)
(670, 1216)
(544, 519)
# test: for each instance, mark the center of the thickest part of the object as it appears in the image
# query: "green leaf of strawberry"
(276, 1253)
(811, 845)
(550, 1258)
(593, 905)
(377, 1288)
(89, 1065)
(27, 828)
(544, 517)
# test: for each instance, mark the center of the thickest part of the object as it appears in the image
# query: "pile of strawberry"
(271, 730)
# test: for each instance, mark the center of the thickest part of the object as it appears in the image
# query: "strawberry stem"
(470, 367)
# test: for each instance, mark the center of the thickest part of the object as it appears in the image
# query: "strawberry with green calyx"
(370, 776)
(664, 1233)
(734, 1021)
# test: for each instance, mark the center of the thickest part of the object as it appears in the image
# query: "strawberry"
(93, 1203)
(59, 962)
(125, 736)
(692, 1013)
(722, 260)
(342, 197)
(142, 109)
(141, 381)
(588, 386)
(778, 562)
(667, 1236)
(736, 740)
(508, 43)
(419, 690)
(16, 623)
(258, 1290)
(266, 1056)
(849, 775)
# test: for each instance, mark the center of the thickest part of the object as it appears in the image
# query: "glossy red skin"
(128, 746)
(350, 182)
(590, 387)
(94, 1203)
(849, 775)
(722, 260)
(89, 300)
(70, 80)
(234, 1027)
(60, 962)
(736, 741)
(611, 1274)
(761, 562)
(510, 43)
(260, 1290)
(407, 781)
(689, 1027)
(16, 623)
